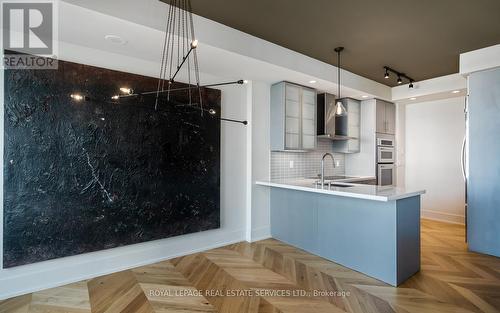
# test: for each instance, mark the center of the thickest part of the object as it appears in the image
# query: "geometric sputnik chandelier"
(179, 56)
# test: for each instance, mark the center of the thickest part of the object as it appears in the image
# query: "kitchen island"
(371, 229)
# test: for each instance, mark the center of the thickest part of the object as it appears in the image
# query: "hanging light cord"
(338, 70)
(338, 50)
(179, 38)
(179, 35)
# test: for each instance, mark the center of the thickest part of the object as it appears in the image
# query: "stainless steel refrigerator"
(481, 159)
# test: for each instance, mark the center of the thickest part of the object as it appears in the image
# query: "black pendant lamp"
(339, 107)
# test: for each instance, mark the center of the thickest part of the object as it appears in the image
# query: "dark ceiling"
(422, 38)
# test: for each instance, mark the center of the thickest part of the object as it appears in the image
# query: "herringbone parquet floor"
(272, 277)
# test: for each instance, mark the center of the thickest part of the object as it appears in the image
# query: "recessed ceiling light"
(312, 82)
(413, 99)
(115, 39)
(455, 91)
(365, 96)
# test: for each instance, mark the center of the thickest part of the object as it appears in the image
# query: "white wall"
(234, 146)
(260, 196)
(431, 89)
(434, 134)
(480, 60)
(400, 145)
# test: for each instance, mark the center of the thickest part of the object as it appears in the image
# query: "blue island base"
(378, 238)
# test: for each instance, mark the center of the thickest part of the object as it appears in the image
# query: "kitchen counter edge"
(368, 194)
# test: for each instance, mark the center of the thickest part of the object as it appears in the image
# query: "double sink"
(338, 181)
(334, 181)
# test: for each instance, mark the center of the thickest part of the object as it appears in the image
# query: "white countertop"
(368, 192)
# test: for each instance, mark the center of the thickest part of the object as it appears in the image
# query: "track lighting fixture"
(399, 75)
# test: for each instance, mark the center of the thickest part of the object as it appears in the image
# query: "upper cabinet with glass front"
(293, 117)
(386, 117)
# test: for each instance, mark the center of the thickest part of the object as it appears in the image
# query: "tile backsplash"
(306, 164)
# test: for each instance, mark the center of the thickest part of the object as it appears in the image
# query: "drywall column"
(483, 218)
(2, 84)
(260, 162)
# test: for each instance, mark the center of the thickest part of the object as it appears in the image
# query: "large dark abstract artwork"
(82, 176)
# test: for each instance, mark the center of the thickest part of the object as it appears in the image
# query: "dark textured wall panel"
(97, 174)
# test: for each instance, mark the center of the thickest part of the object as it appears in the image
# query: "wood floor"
(271, 277)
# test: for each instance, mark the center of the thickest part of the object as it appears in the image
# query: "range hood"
(330, 125)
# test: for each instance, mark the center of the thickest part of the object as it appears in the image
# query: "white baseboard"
(261, 233)
(443, 217)
(54, 273)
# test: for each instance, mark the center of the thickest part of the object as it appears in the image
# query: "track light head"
(386, 75)
(411, 84)
(400, 81)
(77, 97)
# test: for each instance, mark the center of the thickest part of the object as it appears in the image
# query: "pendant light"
(339, 107)
(179, 57)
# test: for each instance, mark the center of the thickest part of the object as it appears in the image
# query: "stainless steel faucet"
(323, 167)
